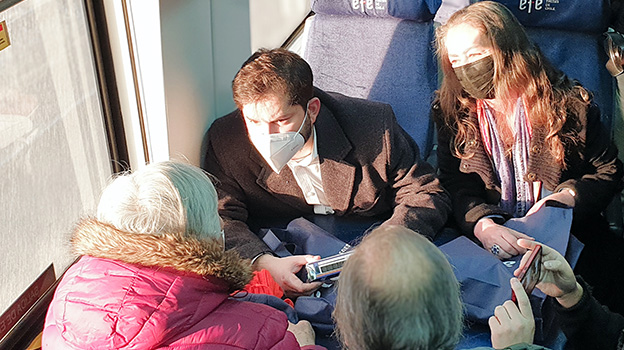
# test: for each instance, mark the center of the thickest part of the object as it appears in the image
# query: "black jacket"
(589, 325)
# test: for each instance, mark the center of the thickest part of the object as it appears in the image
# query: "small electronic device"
(530, 272)
(325, 268)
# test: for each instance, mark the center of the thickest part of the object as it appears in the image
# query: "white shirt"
(307, 172)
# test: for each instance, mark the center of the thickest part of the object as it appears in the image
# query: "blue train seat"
(378, 50)
(570, 34)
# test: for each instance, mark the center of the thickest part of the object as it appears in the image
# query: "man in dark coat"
(291, 150)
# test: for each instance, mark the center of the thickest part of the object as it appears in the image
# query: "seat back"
(380, 50)
(570, 34)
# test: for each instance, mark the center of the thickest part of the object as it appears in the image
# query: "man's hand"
(556, 276)
(283, 272)
(513, 324)
(303, 332)
(491, 233)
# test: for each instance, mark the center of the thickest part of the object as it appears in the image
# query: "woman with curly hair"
(515, 132)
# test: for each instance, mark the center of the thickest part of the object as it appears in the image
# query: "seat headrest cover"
(414, 10)
(588, 16)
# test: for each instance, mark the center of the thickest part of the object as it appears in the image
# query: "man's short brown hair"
(278, 72)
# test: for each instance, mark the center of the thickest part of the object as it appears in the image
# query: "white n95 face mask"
(278, 149)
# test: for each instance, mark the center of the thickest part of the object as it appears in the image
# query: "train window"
(54, 155)
(272, 21)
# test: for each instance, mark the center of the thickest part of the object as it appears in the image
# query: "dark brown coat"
(369, 167)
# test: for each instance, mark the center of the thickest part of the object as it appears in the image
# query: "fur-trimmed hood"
(203, 257)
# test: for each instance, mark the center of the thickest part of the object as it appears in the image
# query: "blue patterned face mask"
(477, 78)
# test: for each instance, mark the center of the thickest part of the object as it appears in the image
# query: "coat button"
(531, 176)
(535, 149)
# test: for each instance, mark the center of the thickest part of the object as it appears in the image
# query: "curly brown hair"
(552, 100)
(273, 72)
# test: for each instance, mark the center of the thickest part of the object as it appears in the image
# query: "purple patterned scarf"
(517, 195)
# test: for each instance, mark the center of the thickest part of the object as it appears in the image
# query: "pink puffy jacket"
(116, 301)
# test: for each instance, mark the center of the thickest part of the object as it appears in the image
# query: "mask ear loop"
(307, 126)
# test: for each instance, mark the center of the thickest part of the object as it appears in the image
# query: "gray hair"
(398, 291)
(165, 197)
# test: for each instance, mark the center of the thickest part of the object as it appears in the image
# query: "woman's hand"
(511, 323)
(566, 196)
(503, 239)
(556, 276)
(303, 332)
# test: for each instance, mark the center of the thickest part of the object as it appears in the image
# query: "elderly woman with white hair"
(154, 274)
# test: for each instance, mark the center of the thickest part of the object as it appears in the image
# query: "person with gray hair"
(154, 274)
(398, 291)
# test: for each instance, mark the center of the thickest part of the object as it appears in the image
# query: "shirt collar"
(307, 160)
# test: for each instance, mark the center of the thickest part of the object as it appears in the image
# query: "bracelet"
(497, 218)
(255, 258)
(571, 191)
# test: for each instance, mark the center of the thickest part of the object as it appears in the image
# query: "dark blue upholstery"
(580, 56)
(383, 52)
(581, 16)
(419, 11)
(569, 33)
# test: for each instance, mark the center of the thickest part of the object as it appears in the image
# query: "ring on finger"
(495, 249)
